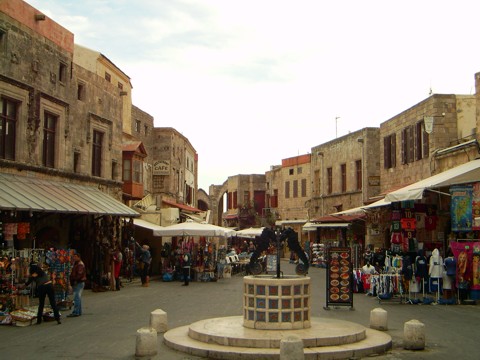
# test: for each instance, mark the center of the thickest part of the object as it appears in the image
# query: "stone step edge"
(312, 337)
(375, 343)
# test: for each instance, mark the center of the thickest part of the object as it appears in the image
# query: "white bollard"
(158, 320)
(414, 335)
(146, 344)
(378, 319)
(291, 348)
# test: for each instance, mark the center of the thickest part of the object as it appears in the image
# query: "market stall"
(205, 243)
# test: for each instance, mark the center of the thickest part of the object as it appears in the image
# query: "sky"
(252, 82)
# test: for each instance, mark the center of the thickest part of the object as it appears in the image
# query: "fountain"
(275, 307)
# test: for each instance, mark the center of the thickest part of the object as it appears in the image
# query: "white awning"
(146, 224)
(285, 222)
(465, 173)
(361, 209)
(313, 226)
(379, 203)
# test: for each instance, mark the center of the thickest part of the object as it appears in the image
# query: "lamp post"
(336, 126)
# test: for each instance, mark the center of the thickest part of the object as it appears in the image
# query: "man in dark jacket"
(44, 287)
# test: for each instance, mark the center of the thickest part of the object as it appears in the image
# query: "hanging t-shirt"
(451, 266)
(421, 269)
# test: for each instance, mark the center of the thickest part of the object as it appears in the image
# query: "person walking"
(117, 266)
(44, 286)
(186, 269)
(78, 277)
(145, 260)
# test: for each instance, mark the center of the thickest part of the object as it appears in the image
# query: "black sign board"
(339, 290)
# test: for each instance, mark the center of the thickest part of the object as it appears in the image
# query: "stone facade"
(353, 158)
(175, 166)
(40, 79)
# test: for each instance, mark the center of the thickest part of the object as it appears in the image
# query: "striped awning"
(22, 193)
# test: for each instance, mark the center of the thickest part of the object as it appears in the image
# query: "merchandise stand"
(388, 287)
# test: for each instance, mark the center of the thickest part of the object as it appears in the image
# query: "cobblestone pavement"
(107, 330)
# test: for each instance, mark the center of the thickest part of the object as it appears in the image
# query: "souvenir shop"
(204, 255)
(434, 250)
(50, 239)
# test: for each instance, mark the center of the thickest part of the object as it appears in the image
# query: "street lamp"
(336, 126)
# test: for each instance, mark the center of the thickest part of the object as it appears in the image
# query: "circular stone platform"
(227, 338)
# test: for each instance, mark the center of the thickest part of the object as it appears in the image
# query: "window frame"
(97, 152)
(6, 141)
(50, 124)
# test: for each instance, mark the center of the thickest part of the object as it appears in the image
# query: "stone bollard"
(146, 344)
(291, 348)
(158, 320)
(414, 335)
(378, 319)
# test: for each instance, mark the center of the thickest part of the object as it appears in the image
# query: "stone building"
(175, 167)
(245, 203)
(60, 141)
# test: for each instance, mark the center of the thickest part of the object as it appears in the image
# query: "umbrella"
(249, 233)
(192, 228)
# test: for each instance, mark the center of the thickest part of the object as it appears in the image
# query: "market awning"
(21, 193)
(286, 222)
(465, 173)
(315, 226)
(181, 206)
(146, 224)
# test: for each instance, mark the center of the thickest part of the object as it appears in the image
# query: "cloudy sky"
(252, 82)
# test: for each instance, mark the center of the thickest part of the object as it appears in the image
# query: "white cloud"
(271, 76)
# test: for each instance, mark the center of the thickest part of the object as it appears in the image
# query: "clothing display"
(435, 269)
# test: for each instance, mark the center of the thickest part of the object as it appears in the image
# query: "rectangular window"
(287, 189)
(290, 171)
(127, 170)
(421, 141)
(3, 40)
(137, 171)
(114, 169)
(343, 171)
(299, 170)
(146, 130)
(62, 72)
(120, 85)
(81, 91)
(137, 125)
(304, 187)
(408, 145)
(97, 147)
(246, 197)
(235, 205)
(389, 151)
(274, 200)
(316, 182)
(108, 77)
(8, 126)
(329, 180)
(229, 200)
(76, 162)
(358, 171)
(49, 135)
(295, 188)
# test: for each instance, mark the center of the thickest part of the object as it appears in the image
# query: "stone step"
(229, 331)
(374, 342)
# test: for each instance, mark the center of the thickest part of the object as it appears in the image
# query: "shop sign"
(161, 167)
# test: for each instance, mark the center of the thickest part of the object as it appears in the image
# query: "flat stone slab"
(229, 331)
(373, 341)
